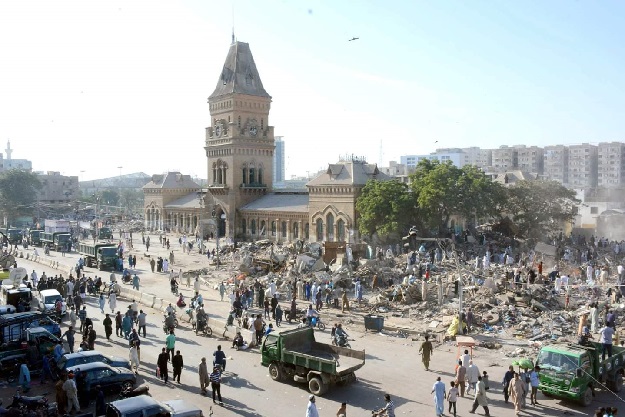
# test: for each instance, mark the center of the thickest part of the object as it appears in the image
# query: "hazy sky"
(91, 86)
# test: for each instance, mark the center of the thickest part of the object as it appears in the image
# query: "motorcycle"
(316, 322)
(174, 288)
(91, 289)
(127, 278)
(341, 341)
(37, 403)
(166, 328)
(129, 392)
(203, 327)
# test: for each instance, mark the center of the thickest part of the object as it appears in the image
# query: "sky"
(90, 86)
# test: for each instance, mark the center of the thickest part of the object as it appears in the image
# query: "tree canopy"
(385, 207)
(442, 190)
(18, 193)
(540, 208)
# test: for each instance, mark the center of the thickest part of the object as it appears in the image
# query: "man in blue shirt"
(220, 358)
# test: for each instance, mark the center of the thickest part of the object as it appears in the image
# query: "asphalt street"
(393, 364)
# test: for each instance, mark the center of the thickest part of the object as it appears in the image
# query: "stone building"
(239, 201)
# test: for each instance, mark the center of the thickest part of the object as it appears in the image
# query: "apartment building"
(611, 164)
(583, 161)
(556, 163)
(504, 159)
(530, 159)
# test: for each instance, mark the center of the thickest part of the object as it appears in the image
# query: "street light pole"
(119, 200)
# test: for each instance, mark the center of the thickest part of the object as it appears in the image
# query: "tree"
(385, 207)
(443, 190)
(540, 208)
(109, 197)
(18, 193)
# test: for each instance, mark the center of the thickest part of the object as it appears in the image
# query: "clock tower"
(239, 141)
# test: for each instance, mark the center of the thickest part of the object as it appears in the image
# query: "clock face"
(218, 130)
(253, 130)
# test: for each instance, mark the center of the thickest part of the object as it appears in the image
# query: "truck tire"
(587, 397)
(617, 385)
(275, 372)
(316, 386)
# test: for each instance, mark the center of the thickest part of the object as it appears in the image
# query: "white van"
(46, 301)
(146, 406)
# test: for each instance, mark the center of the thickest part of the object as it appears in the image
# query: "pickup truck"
(296, 355)
(15, 351)
(571, 371)
(14, 326)
(100, 254)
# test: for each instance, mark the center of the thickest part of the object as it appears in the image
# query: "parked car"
(146, 406)
(46, 300)
(111, 380)
(69, 360)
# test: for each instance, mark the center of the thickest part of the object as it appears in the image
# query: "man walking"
(509, 376)
(108, 326)
(204, 377)
(69, 335)
(606, 340)
(82, 315)
(438, 389)
(177, 363)
(480, 397)
(170, 343)
(426, 351)
(534, 382)
(161, 362)
(141, 319)
(311, 408)
(461, 376)
(215, 378)
(473, 375)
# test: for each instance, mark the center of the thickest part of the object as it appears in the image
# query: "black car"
(69, 360)
(111, 380)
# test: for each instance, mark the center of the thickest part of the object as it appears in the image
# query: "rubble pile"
(503, 297)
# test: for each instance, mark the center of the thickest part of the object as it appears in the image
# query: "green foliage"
(18, 193)
(539, 208)
(443, 190)
(109, 197)
(385, 207)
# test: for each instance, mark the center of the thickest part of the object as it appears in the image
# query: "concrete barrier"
(148, 299)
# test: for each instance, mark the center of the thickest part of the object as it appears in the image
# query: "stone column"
(278, 234)
(288, 230)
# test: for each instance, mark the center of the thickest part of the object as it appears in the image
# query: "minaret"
(8, 150)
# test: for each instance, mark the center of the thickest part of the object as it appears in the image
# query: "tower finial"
(233, 37)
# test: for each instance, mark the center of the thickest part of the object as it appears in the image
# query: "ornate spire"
(239, 74)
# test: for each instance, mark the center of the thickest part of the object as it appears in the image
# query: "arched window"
(260, 174)
(340, 226)
(273, 228)
(253, 227)
(307, 231)
(330, 227)
(296, 230)
(263, 228)
(319, 230)
(252, 174)
(283, 229)
(244, 173)
(243, 226)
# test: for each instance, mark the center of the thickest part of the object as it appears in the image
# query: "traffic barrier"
(148, 299)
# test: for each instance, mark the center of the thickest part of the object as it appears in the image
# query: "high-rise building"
(530, 159)
(479, 157)
(611, 164)
(504, 159)
(556, 163)
(583, 163)
(454, 155)
(279, 161)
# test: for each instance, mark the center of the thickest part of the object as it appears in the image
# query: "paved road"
(393, 366)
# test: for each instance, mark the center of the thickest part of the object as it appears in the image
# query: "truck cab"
(105, 233)
(34, 237)
(572, 371)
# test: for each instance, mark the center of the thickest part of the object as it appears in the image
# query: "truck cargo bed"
(347, 360)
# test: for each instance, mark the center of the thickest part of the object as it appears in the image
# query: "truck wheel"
(275, 372)
(316, 386)
(587, 397)
(617, 385)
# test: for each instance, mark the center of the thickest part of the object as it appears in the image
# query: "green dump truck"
(296, 355)
(56, 240)
(34, 236)
(105, 233)
(572, 371)
(100, 254)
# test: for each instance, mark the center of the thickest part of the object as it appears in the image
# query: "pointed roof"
(239, 74)
(172, 180)
(349, 173)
